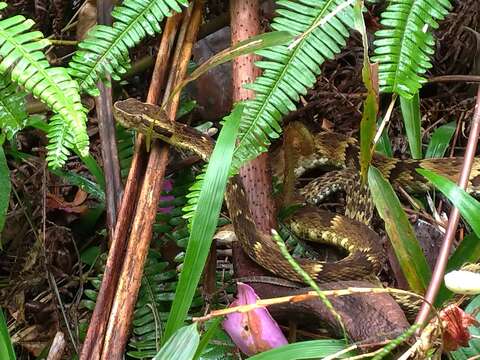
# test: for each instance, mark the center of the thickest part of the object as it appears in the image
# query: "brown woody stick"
(93, 344)
(106, 129)
(139, 241)
(111, 164)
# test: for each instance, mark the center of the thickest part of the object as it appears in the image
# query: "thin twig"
(385, 119)
(449, 78)
(310, 295)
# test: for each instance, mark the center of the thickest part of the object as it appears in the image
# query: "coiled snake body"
(365, 254)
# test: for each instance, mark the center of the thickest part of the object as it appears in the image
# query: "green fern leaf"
(21, 56)
(402, 48)
(192, 197)
(60, 141)
(105, 50)
(13, 115)
(290, 72)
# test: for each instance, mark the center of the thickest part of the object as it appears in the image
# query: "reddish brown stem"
(92, 347)
(245, 22)
(440, 266)
(139, 241)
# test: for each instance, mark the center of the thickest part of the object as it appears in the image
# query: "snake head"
(132, 112)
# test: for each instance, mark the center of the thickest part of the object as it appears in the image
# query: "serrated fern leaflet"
(403, 49)
(105, 50)
(22, 58)
(13, 116)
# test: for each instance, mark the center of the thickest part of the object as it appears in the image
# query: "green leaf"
(384, 145)
(90, 255)
(82, 182)
(5, 188)
(400, 232)
(207, 336)
(106, 48)
(181, 346)
(288, 72)
(204, 221)
(13, 114)
(95, 169)
(412, 121)
(468, 206)
(370, 105)
(22, 58)
(440, 140)
(6, 347)
(402, 49)
(313, 349)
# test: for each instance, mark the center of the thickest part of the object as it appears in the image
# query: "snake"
(351, 232)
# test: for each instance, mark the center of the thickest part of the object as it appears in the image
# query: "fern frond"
(290, 72)
(125, 145)
(60, 141)
(105, 50)
(13, 115)
(21, 56)
(193, 195)
(403, 49)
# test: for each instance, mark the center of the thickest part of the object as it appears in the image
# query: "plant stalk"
(93, 344)
(141, 231)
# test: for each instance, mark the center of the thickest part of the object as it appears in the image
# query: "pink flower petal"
(254, 331)
(167, 186)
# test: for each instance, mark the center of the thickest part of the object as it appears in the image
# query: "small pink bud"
(254, 331)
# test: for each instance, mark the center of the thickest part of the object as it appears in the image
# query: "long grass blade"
(411, 119)
(400, 232)
(6, 347)
(181, 346)
(205, 221)
(440, 139)
(313, 349)
(468, 206)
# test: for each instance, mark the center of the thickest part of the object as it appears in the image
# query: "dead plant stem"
(93, 344)
(141, 231)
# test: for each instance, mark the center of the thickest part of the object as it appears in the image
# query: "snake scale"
(365, 253)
